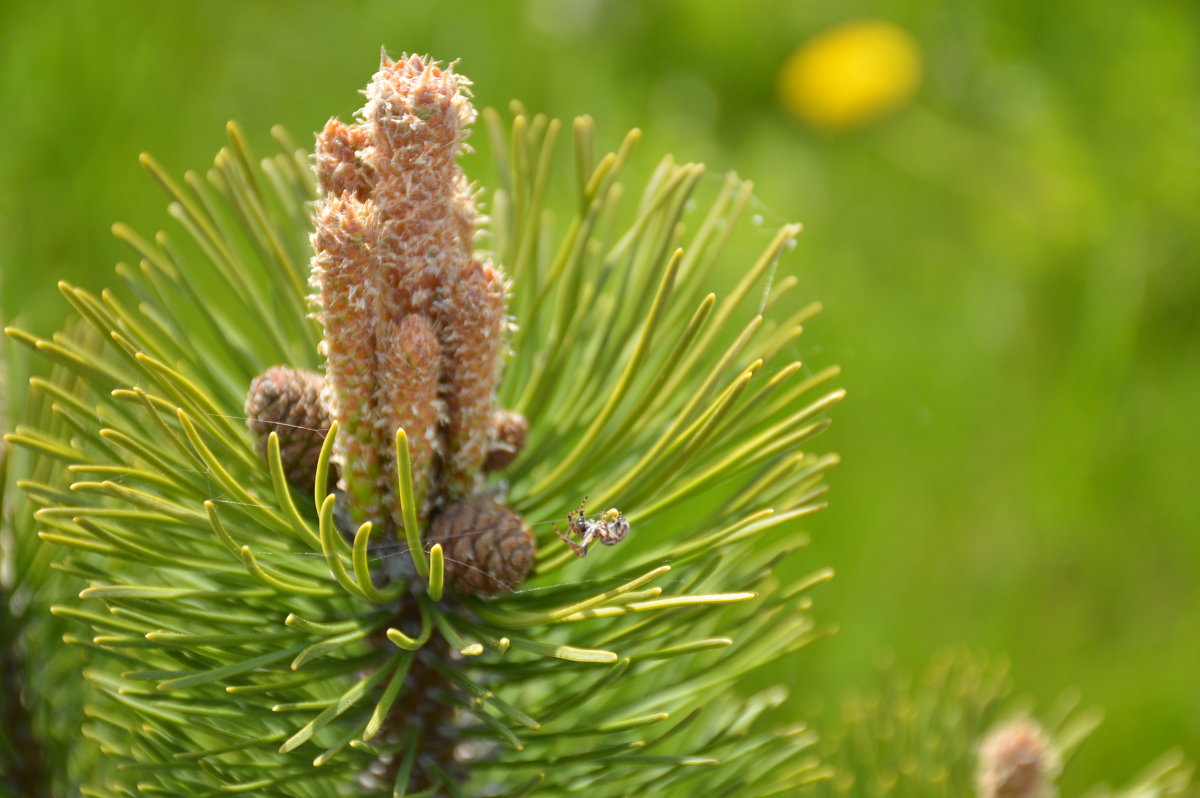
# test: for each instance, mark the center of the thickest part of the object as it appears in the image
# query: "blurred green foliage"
(1009, 267)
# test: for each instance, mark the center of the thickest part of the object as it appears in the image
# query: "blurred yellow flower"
(851, 74)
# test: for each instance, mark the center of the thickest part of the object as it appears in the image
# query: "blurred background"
(1001, 211)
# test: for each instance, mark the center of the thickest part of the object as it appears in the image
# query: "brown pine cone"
(287, 401)
(509, 429)
(489, 548)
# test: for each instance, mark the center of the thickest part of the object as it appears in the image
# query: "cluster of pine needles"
(235, 641)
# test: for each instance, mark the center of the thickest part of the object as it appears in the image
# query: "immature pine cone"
(1017, 761)
(287, 401)
(489, 548)
(509, 429)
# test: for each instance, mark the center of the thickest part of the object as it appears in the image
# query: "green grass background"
(1010, 265)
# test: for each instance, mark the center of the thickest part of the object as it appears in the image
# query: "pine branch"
(955, 730)
(248, 629)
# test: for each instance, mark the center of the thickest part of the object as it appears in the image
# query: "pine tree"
(316, 470)
(247, 631)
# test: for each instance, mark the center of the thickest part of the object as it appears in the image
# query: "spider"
(610, 529)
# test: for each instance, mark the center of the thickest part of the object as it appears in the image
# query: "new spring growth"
(1017, 761)
(414, 318)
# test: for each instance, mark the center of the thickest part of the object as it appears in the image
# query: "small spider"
(610, 529)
